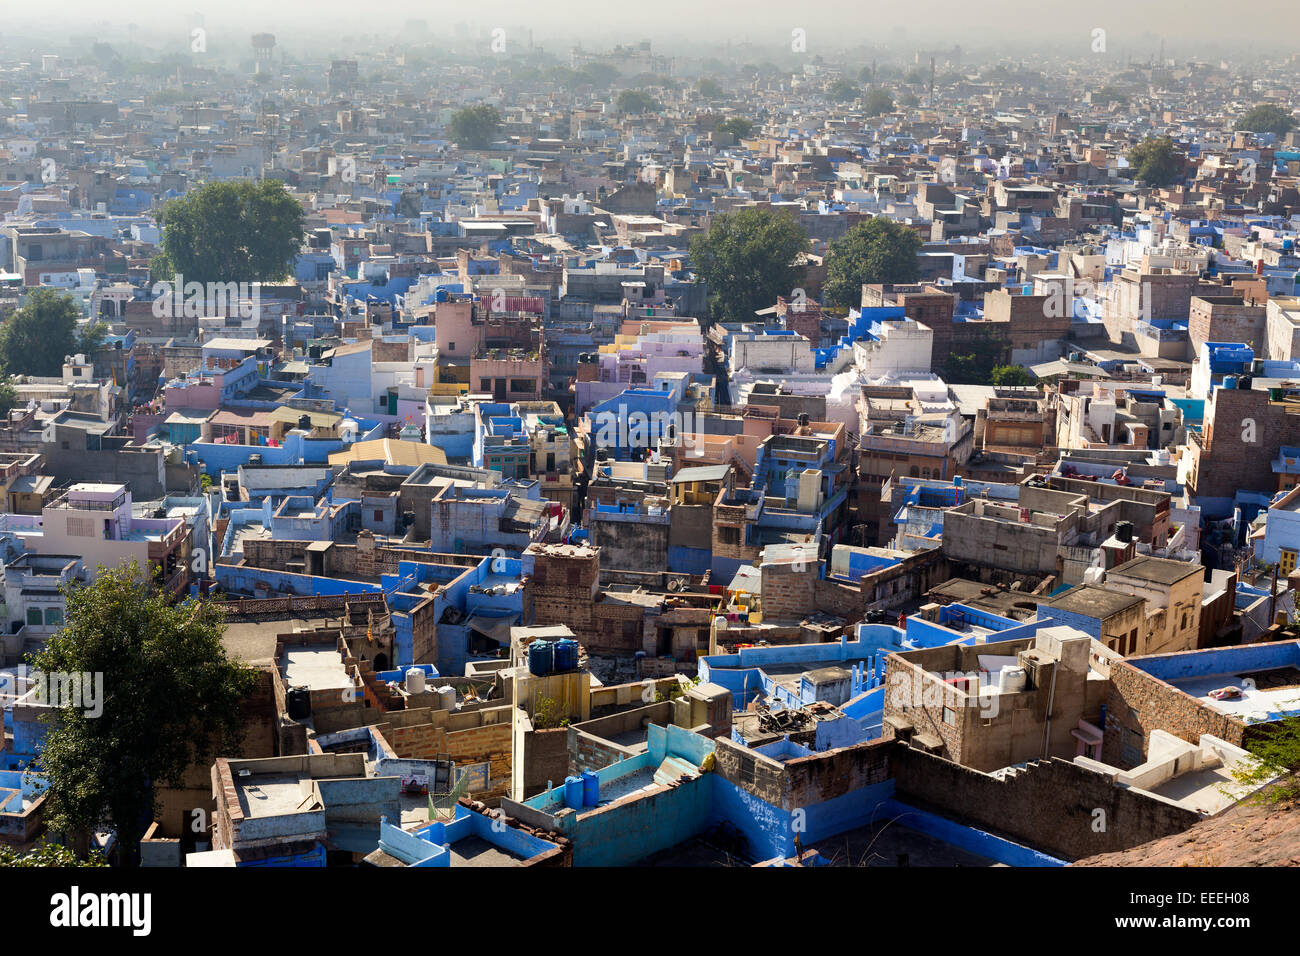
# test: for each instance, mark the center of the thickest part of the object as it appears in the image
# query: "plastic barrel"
(540, 658)
(573, 793)
(590, 788)
(566, 655)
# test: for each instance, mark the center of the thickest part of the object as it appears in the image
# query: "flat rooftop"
(1158, 570)
(315, 666)
(274, 794)
(1091, 601)
(1264, 693)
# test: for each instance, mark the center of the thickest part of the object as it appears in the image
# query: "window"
(451, 346)
(53, 617)
(34, 616)
(949, 716)
(379, 516)
(1286, 561)
(729, 535)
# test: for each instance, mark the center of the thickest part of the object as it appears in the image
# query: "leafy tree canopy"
(748, 258)
(475, 126)
(1155, 161)
(170, 699)
(879, 101)
(635, 101)
(240, 231)
(38, 337)
(1267, 118)
(878, 250)
(737, 126)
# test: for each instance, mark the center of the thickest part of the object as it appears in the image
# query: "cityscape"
(674, 440)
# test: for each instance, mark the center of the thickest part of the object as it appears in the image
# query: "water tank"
(541, 660)
(415, 681)
(1230, 382)
(446, 697)
(1244, 383)
(590, 788)
(304, 422)
(1011, 680)
(573, 793)
(803, 419)
(566, 655)
(440, 295)
(1124, 531)
(299, 703)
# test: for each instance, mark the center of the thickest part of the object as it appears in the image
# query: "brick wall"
(1051, 805)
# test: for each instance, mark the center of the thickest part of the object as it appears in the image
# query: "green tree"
(1267, 118)
(599, 74)
(878, 250)
(171, 699)
(8, 396)
(909, 99)
(737, 126)
(635, 101)
(1274, 752)
(976, 366)
(879, 101)
(1011, 375)
(1109, 94)
(1155, 161)
(48, 854)
(240, 231)
(475, 126)
(710, 89)
(91, 338)
(842, 91)
(748, 258)
(38, 337)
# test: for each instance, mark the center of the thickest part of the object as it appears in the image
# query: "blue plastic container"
(590, 788)
(573, 793)
(541, 660)
(566, 655)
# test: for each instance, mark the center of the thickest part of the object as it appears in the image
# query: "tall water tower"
(263, 45)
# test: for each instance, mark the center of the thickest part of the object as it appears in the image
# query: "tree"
(240, 231)
(39, 336)
(976, 366)
(710, 89)
(842, 91)
(1155, 161)
(91, 338)
(1011, 375)
(878, 250)
(635, 101)
(8, 396)
(737, 126)
(748, 258)
(1267, 118)
(172, 700)
(600, 74)
(48, 854)
(879, 101)
(909, 99)
(475, 126)
(1274, 752)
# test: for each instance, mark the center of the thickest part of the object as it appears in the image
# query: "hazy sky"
(1011, 26)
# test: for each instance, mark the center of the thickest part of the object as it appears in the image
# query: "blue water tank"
(573, 793)
(590, 788)
(440, 295)
(540, 658)
(566, 655)
(1230, 382)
